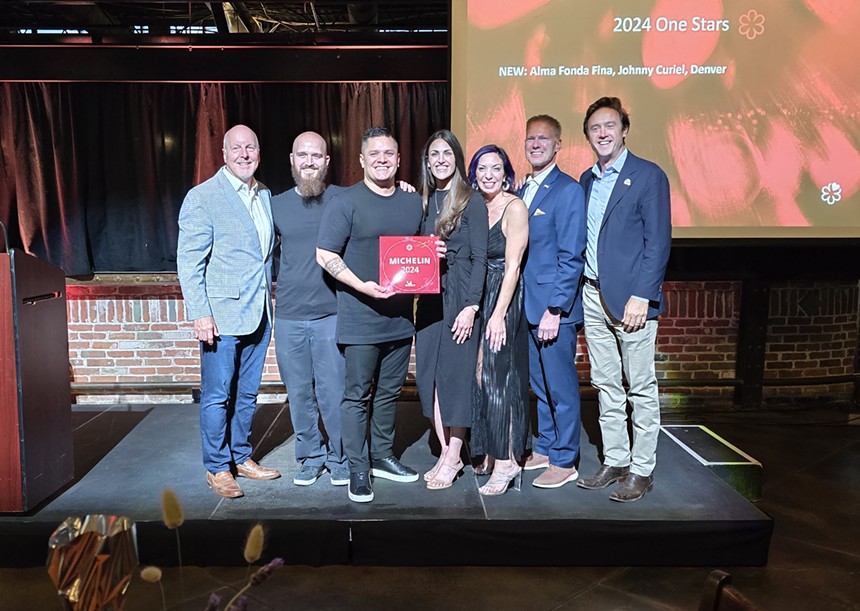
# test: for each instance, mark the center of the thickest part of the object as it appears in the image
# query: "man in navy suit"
(629, 236)
(553, 301)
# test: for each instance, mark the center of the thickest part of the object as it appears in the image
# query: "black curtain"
(92, 175)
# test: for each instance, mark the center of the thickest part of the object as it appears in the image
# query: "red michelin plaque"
(409, 264)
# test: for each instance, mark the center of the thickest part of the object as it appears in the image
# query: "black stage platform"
(126, 455)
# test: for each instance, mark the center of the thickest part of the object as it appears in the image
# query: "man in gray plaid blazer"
(224, 263)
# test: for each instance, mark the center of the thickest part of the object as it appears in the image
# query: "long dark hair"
(510, 176)
(459, 192)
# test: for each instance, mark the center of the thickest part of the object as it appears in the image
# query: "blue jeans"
(230, 374)
(312, 368)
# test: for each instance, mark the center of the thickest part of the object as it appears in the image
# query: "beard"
(310, 187)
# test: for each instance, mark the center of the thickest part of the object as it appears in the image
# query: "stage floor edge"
(127, 455)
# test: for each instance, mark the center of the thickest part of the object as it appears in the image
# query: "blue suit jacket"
(635, 236)
(556, 254)
(221, 268)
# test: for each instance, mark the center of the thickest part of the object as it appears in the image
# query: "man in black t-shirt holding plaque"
(374, 325)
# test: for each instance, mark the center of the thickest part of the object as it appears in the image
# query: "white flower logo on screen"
(831, 193)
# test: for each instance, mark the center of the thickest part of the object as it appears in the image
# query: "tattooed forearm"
(335, 266)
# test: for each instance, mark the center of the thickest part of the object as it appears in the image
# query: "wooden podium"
(36, 457)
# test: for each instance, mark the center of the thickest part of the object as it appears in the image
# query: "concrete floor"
(811, 489)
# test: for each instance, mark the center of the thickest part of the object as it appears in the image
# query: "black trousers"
(387, 363)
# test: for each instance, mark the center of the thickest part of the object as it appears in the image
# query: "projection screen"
(751, 108)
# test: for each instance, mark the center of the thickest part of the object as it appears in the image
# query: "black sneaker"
(308, 474)
(360, 487)
(339, 476)
(391, 468)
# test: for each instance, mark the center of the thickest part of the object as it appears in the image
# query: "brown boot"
(604, 477)
(632, 488)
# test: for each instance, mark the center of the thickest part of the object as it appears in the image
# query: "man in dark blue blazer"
(629, 235)
(553, 302)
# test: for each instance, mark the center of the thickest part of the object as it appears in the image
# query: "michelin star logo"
(831, 193)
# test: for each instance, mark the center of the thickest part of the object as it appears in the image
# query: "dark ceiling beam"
(217, 10)
(89, 16)
(363, 13)
(161, 17)
(223, 63)
(246, 17)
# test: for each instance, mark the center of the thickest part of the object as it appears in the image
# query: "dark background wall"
(96, 157)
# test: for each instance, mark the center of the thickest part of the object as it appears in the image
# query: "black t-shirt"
(351, 226)
(305, 291)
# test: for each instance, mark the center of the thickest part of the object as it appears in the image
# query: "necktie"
(529, 192)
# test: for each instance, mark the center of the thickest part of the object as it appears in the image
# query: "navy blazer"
(635, 236)
(552, 273)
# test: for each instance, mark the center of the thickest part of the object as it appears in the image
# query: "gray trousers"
(312, 368)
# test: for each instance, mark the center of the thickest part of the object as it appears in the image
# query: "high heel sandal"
(432, 473)
(485, 468)
(499, 483)
(438, 483)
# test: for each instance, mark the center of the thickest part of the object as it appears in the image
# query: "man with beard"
(310, 363)
(374, 324)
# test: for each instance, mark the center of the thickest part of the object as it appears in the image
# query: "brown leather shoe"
(252, 470)
(536, 461)
(224, 485)
(605, 476)
(632, 488)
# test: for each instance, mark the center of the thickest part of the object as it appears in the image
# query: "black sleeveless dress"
(501, 395)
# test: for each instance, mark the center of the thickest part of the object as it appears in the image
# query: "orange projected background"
(751, 108)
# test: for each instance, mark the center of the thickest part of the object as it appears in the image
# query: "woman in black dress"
(445, 347)
(500, 428)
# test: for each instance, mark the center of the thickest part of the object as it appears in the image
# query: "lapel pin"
(627, 182)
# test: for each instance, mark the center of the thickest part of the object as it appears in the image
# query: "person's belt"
(592, 282)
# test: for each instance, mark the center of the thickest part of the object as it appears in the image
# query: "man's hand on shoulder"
(205, 330)
(405, 186)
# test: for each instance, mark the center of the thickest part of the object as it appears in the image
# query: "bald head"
(309, 139)
(241, 153)
(309, 164)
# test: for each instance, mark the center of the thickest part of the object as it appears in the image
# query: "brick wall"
(812, 333)
(696, 341)
(132, 334)
(138, 333)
